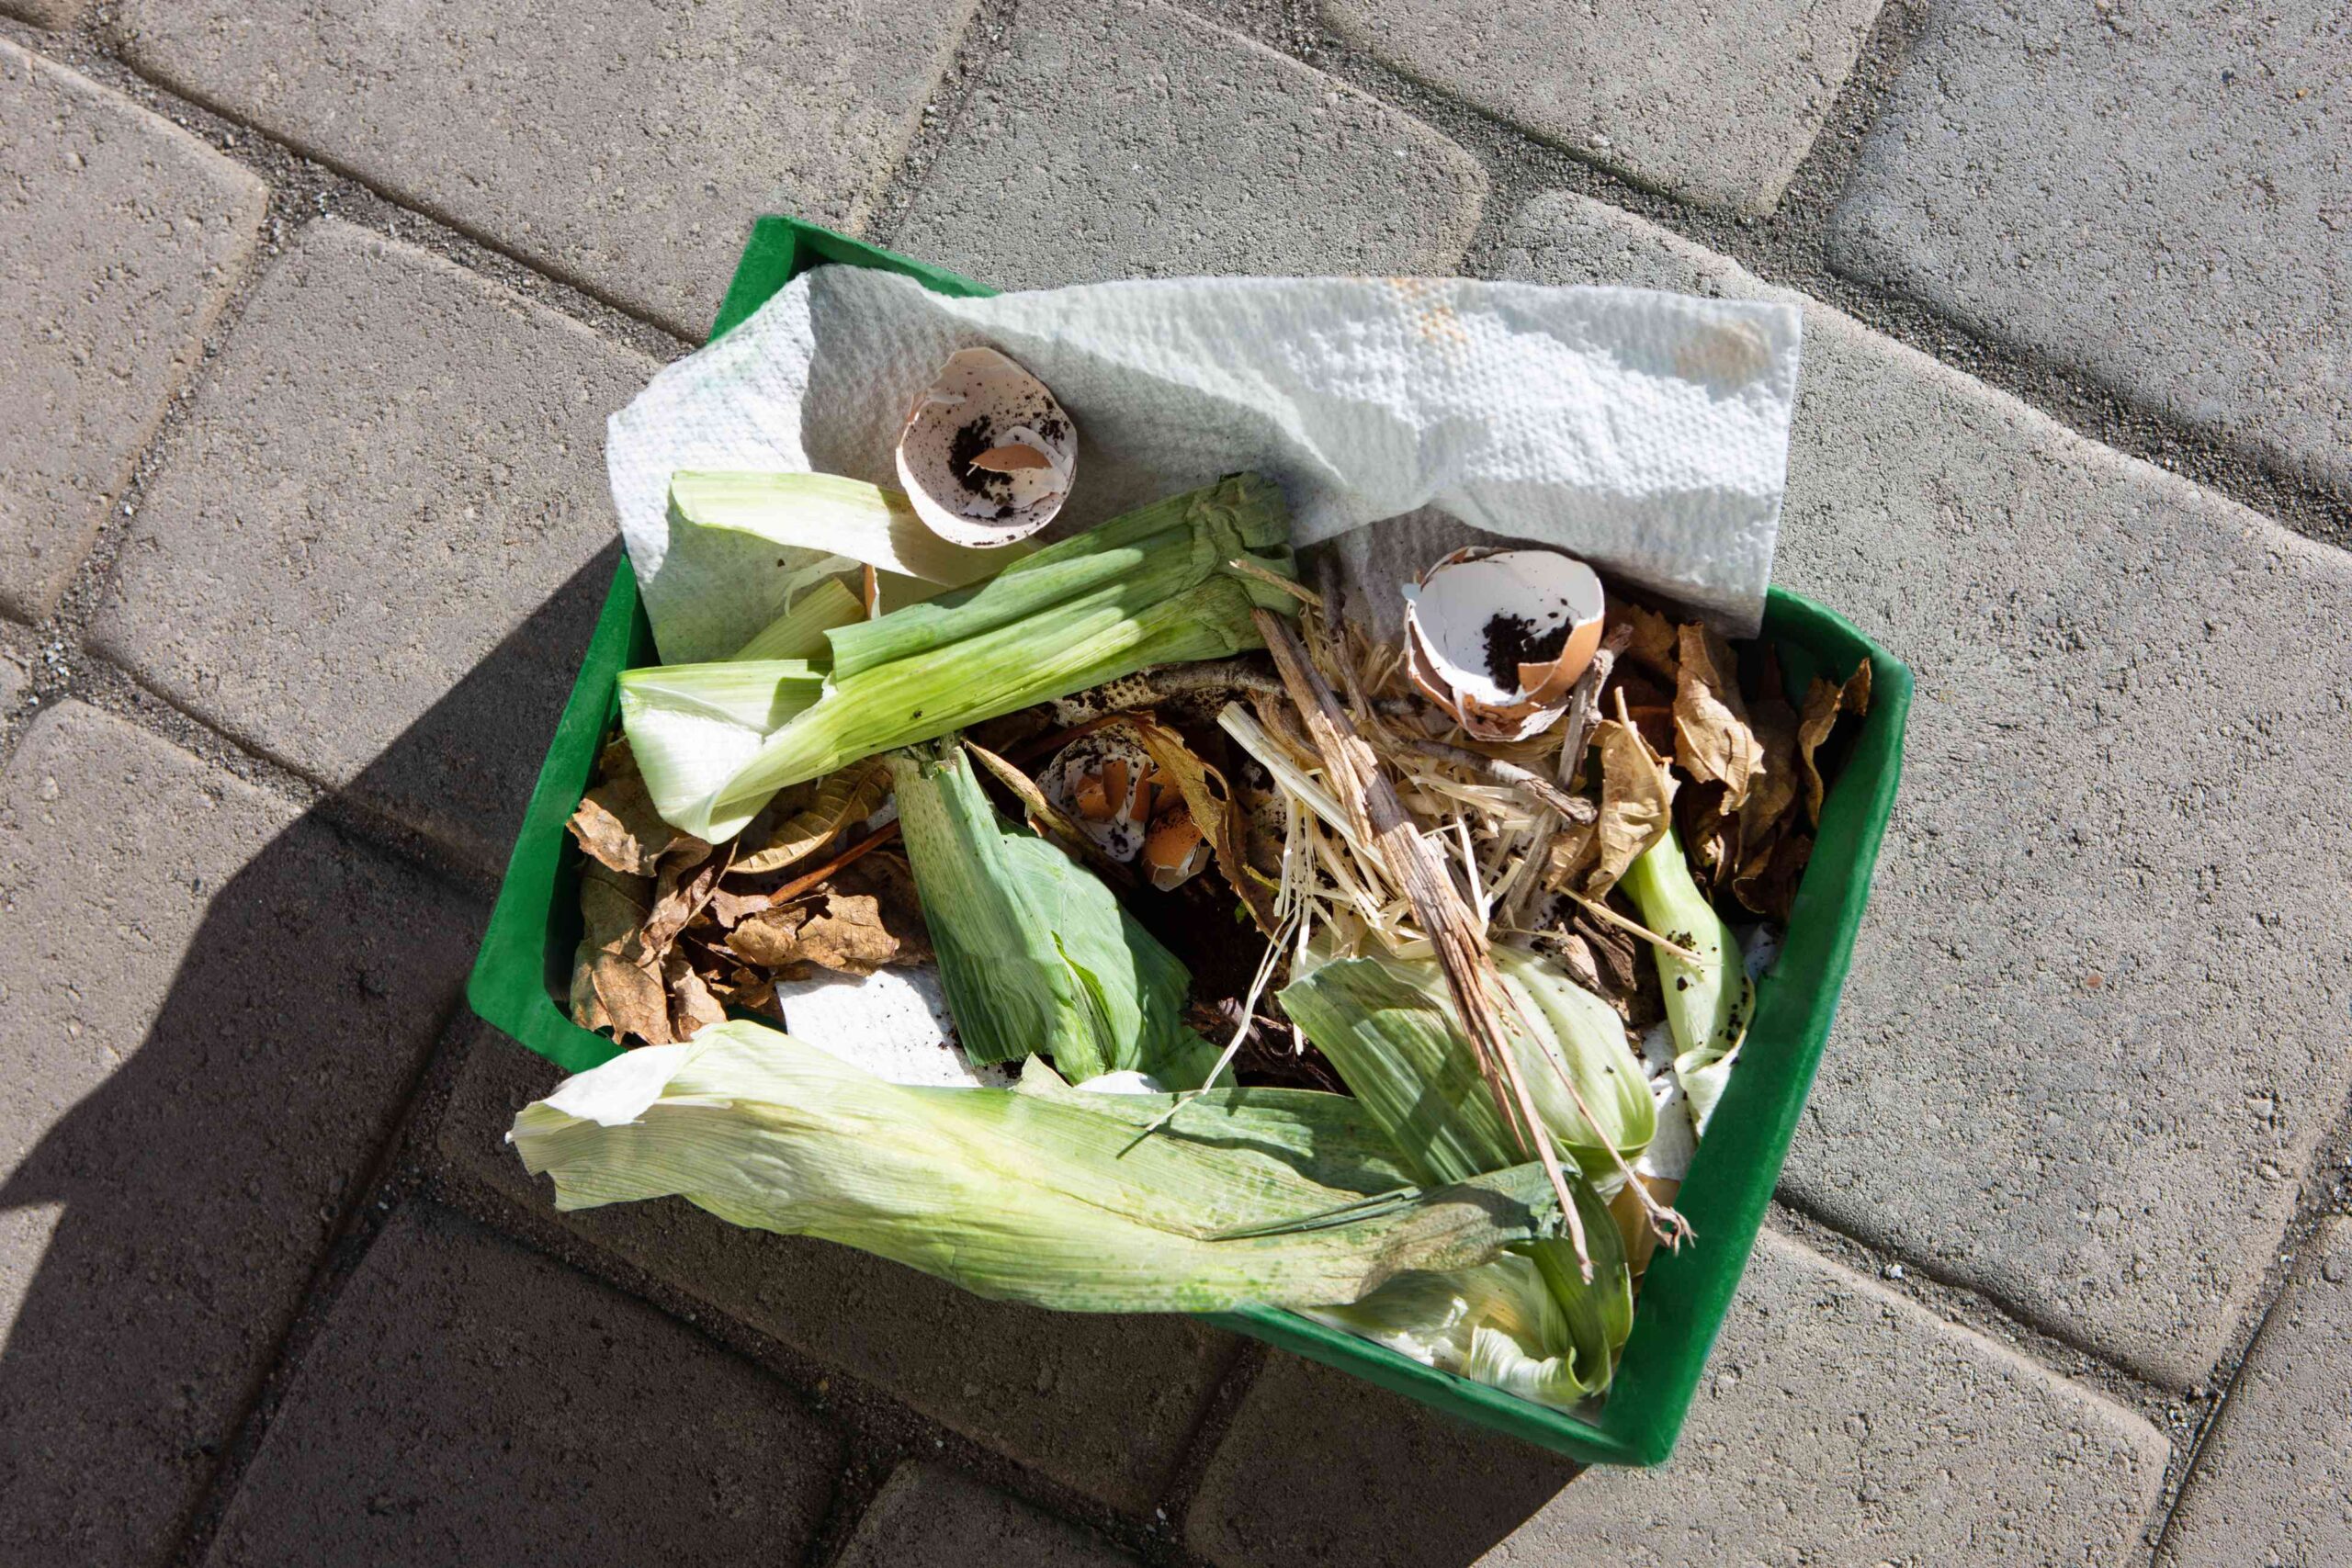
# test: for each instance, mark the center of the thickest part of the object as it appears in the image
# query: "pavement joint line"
(985, 37)
(1785, 248)
(360, 1216)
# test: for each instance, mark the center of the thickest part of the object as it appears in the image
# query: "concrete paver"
(379, 548)
(211, 1010)
(471, 1403)
(624, 147)
(57, 14)
(1104, 1404)
(120, 238)
(2155, 194)
(2273, 1485)
(929, 1518)
(1716, 103)
(1123, 138)
(14, 682)
(1838, 1423)
(2094, 1024)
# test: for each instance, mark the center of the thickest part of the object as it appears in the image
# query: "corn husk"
(1498, 1323)
(1389, 1032)
(1041, 1193)
(693, 727)
(1037, 956)
(1153, 587)
(799, 632)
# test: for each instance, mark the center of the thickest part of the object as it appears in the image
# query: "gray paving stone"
(120, 237)
(2273, 1487)
(14, 681)
(622, 146)
(57, 14)
(1838, 1423)
(929, 1518)
(379, 547)
(470, 1402)
(211, 1008)
(2096, 1021)
(2156, 193)
(1104, 1404)
(1122, 139)
(1716, 103)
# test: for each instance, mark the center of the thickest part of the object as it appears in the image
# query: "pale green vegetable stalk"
(1387, 1030)
(1042, 1193)
(693, 727)
(1036, 954)
(1486, 1323)
(799, 632)
(811, 517)
(1708, 1003)
(1153, 587)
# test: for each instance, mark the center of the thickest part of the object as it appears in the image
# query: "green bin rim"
(517, 984)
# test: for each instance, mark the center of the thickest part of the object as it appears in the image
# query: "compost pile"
(1391, 980)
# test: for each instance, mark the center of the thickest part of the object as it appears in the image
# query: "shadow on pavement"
(190, 1196)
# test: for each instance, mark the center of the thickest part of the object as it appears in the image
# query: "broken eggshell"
(1103, 783)
(987, 455)
(1497, 637)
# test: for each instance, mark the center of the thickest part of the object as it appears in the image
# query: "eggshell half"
(1478, 626)
(987, 455)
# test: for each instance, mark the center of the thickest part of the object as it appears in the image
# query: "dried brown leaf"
(1655, 642)
(771, 939)
(1824, 702)
(729, 909)
(618, 826)
(1637, 802)
(842, 800)
(611, 906)
(690, 1004)
(628, 984)
(887, 879)
(1768, 881)
(679, 894)
(1713, 739)
(1772, 795)
(849, 937)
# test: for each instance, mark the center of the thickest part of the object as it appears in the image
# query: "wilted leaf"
(611, 906)
(629, 986)
(850, 936)
(1772, 793)
(885, 877)
(679, 894)
(1712, 736)
(1767, 883)
(729, 908)
(1823, 701)
(1215, 812)
(1654, 641)
(690, 1004)
(1573, 847)
(1636, 798)
(618, 826)
(842, 800)
(770, 939)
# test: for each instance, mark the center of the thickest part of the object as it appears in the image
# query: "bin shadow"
(159, 1236)
(179, 1211)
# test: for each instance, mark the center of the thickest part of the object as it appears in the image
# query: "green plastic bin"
(523, 975)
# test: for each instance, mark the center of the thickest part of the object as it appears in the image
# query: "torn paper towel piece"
(1646, 433)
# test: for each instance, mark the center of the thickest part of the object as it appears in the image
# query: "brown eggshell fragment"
(1175, 852)
(987, 455)
(1497, 637)
(1101, 781)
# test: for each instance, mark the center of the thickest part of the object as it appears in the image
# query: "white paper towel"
(1647, 432)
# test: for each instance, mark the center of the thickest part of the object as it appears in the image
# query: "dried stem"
(1370, 801)
(1494, 770)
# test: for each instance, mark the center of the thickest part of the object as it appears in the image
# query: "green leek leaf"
(1707, 1003)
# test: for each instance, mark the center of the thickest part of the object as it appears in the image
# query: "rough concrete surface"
(379, 545)
(210, 1011)
(622, 147)
(2161, 195)
(1101, 1404)
(1124, 138)
(2094, 1026)
(2273, 1488)
(929, 1518)
(1838, 1423)
(469, 1403)
(14, 683)
(45, 13)
(120, 237)
(1721, 116)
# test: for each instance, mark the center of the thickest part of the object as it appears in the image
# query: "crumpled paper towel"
(1647, 432)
